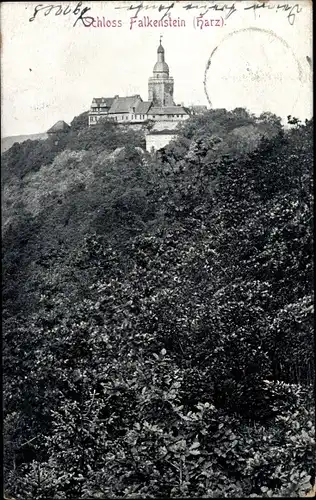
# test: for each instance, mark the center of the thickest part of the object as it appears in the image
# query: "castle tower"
(160, 85)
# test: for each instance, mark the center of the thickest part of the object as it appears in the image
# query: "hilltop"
(7, 142)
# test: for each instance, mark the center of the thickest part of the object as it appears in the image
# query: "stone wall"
(158, 141)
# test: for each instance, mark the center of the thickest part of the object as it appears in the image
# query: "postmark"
(249, 62)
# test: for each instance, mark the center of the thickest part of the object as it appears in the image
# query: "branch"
(88, 411)
(30, 440)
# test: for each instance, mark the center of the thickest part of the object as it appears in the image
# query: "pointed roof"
(143, 107)
(59, 126)
(124, 104)
(160, 48)
(161, 66)
(102, 102)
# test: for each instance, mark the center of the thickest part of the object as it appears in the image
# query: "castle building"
(160, 85)
(132, 109)
(60, 127)
(58, 131)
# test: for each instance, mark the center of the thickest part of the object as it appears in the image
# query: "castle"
(160, 107)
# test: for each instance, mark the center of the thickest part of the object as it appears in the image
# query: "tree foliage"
(159, 314)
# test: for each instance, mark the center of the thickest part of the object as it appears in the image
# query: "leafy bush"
(158, 315)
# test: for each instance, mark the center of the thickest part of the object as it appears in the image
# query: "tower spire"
(160, 85)
(160, 51)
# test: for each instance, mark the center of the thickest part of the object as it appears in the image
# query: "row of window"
(122, 117)
(168, 116)
(100, 109)
(127, 117)
(133, 117)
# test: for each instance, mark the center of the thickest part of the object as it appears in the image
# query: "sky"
(258, 55)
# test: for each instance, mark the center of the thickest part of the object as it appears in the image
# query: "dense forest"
(158, 312)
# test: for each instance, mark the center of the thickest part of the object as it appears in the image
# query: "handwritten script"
(291, 10)
(227, 10)
(59, 10)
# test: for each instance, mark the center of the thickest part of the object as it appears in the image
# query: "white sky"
(260, 70)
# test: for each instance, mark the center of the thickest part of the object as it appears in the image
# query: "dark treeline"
(158, 311)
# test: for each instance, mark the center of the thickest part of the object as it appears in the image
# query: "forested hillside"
(158, 312)
(7, 142)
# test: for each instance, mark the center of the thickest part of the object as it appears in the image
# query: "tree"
(173, 312)
(80, 122)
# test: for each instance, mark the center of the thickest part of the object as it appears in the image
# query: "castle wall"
(168, 118)
(158, 141)
(138, 127)
(131, 118)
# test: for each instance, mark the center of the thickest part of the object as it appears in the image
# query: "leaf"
(305, 482)
(194, 452)
(194, 445)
